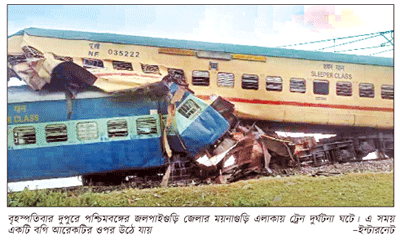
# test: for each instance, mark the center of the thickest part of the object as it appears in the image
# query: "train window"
(226, 80)
(87, 130)
(387, 91)
(189, 108)
(63, 58)
(321, 87)
(92, 63)
(146, 125)
(179, 75)
(119, 65)
(298, 85)
(31, 52)
(201, 78)
(273, 83)
(24, 135)
(56, 133)
(117, 128)
(344, 89)
(367, 90)
(250, 81)
(147, 68)
(16, 59)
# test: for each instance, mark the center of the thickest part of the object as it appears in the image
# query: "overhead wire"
(388, 43)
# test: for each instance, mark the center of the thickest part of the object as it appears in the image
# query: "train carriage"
(106, 133)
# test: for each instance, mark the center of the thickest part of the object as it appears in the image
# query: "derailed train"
(292, 90)
(105, 133)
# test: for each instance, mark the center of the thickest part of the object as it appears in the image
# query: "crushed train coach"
(78, 129)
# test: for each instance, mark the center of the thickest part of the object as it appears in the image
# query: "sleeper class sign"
(328, 72)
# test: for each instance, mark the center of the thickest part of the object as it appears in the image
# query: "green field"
(355, 189)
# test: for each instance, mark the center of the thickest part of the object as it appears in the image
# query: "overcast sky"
(259, 25)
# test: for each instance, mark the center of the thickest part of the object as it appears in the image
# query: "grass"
(355, 189)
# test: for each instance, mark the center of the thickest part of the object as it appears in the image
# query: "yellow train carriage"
(269, 84)
(294, 90)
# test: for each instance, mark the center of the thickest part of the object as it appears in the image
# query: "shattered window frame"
(56, 133)
(31, 52)
(202, 79)
(178, 74)
(24, 135)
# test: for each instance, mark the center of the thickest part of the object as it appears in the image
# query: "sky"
(257, 25)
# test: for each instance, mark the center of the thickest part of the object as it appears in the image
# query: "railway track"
(143, 182)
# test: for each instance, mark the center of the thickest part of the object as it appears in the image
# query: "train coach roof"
(206, 46)
(18, 94)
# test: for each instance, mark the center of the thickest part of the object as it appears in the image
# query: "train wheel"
(102, 180)
(86, 180)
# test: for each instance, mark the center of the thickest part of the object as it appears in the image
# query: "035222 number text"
(123, 53)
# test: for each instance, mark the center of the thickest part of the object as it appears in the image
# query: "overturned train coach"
(102, 133)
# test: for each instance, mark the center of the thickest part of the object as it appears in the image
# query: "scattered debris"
(324, 173)
(244, 153)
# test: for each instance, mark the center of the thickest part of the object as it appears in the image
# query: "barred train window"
(273, 83)
(31, 52)
(24, 135)
(87, 130)
(147, 68)
(367, 90)
(226, 80)
(56, 133)
(119, 65)
(387, 92)
(321, 87)
(298, 85)
(92, 63)
(117, 128)
(250, 81)
(344, 89)
(201, 78)
(146, 125)
(189, 108)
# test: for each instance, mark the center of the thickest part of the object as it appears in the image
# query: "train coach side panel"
(344, 100)
(81, 159)
(104, 134)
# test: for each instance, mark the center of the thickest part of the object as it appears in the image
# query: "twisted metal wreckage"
(219, 151)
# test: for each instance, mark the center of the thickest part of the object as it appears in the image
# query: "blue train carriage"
(105, 135)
